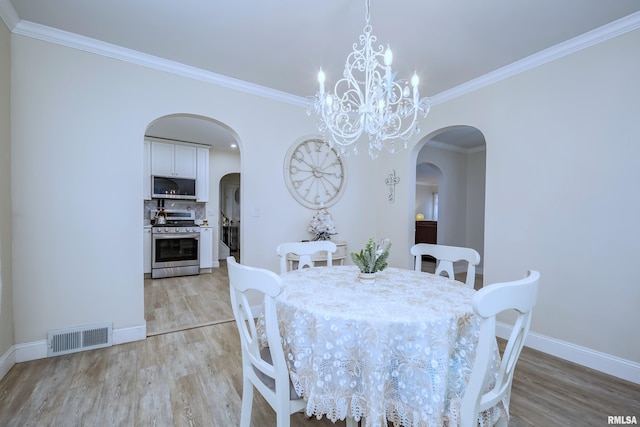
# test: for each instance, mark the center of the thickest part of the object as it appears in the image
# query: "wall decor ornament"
(321, 225)
(391, 181)
(314, 173)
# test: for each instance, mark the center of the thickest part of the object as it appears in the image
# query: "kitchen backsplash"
(198, 208)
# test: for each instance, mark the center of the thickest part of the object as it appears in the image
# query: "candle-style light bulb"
(388, 56)
(415, 80)
(321, 80)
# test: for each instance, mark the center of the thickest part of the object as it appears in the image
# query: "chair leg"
(283, 413)
(283, 419)
(247, 403)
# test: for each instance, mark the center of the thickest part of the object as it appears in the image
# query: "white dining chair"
(266, 368)
(445, 257)
(519, 296)
(304, 250)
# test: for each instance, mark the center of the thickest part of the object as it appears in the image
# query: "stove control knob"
(166, 230)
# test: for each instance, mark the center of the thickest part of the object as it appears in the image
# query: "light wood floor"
(177, 303)
(193, 378)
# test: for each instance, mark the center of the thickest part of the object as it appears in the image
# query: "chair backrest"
(304, 250)
(243, 279)
(519, 296)
(445, 257)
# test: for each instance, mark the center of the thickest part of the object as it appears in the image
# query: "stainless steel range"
(175, 244)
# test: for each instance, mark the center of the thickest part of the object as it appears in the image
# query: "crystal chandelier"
(368, 100)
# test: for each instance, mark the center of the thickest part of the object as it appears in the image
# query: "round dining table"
(399, 348)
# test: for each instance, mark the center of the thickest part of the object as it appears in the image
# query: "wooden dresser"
(427, 232)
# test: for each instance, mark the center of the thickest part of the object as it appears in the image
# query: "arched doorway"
(199, 298)
(230, 207)
(451, 173)
(428, 177)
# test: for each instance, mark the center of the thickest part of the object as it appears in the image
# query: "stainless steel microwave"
(165, 187)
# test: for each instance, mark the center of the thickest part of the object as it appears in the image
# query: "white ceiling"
(281, 44)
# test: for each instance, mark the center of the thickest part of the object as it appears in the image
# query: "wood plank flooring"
(193, 377)
(177, 303)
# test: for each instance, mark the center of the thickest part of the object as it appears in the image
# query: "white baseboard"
(134, 333)
(7, 360)
(603, 362)
(38, 349)
(31, 351)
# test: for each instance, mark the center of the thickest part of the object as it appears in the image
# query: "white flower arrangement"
(322, 225)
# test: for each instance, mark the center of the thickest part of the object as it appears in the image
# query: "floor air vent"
(65, 341)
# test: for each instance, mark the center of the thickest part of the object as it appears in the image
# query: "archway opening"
(202, 150)
(450, 189)
(230, 207)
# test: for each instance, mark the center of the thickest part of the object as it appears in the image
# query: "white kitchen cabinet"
(185, 161)
(206, 248)
(202, 178)
(173, 160)
(146, 172)
(146, 250)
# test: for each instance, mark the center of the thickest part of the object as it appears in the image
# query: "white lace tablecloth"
(399, 349)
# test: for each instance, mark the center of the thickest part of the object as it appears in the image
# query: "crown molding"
(75, 41)
(41, 32)
(593, 37)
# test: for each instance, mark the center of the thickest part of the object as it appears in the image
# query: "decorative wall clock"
(314, 173)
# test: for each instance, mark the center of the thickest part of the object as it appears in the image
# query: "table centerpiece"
(372, 258)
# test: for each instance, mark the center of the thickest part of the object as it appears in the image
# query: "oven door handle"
(177, 236)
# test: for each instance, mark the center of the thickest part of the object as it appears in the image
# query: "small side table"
(320, 258)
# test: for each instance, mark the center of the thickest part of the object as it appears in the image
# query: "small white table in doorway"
(399, 349)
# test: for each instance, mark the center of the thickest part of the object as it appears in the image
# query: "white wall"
(556, 136)
(6, 283)
(476, 173)
(424, 200)
(85, 117)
